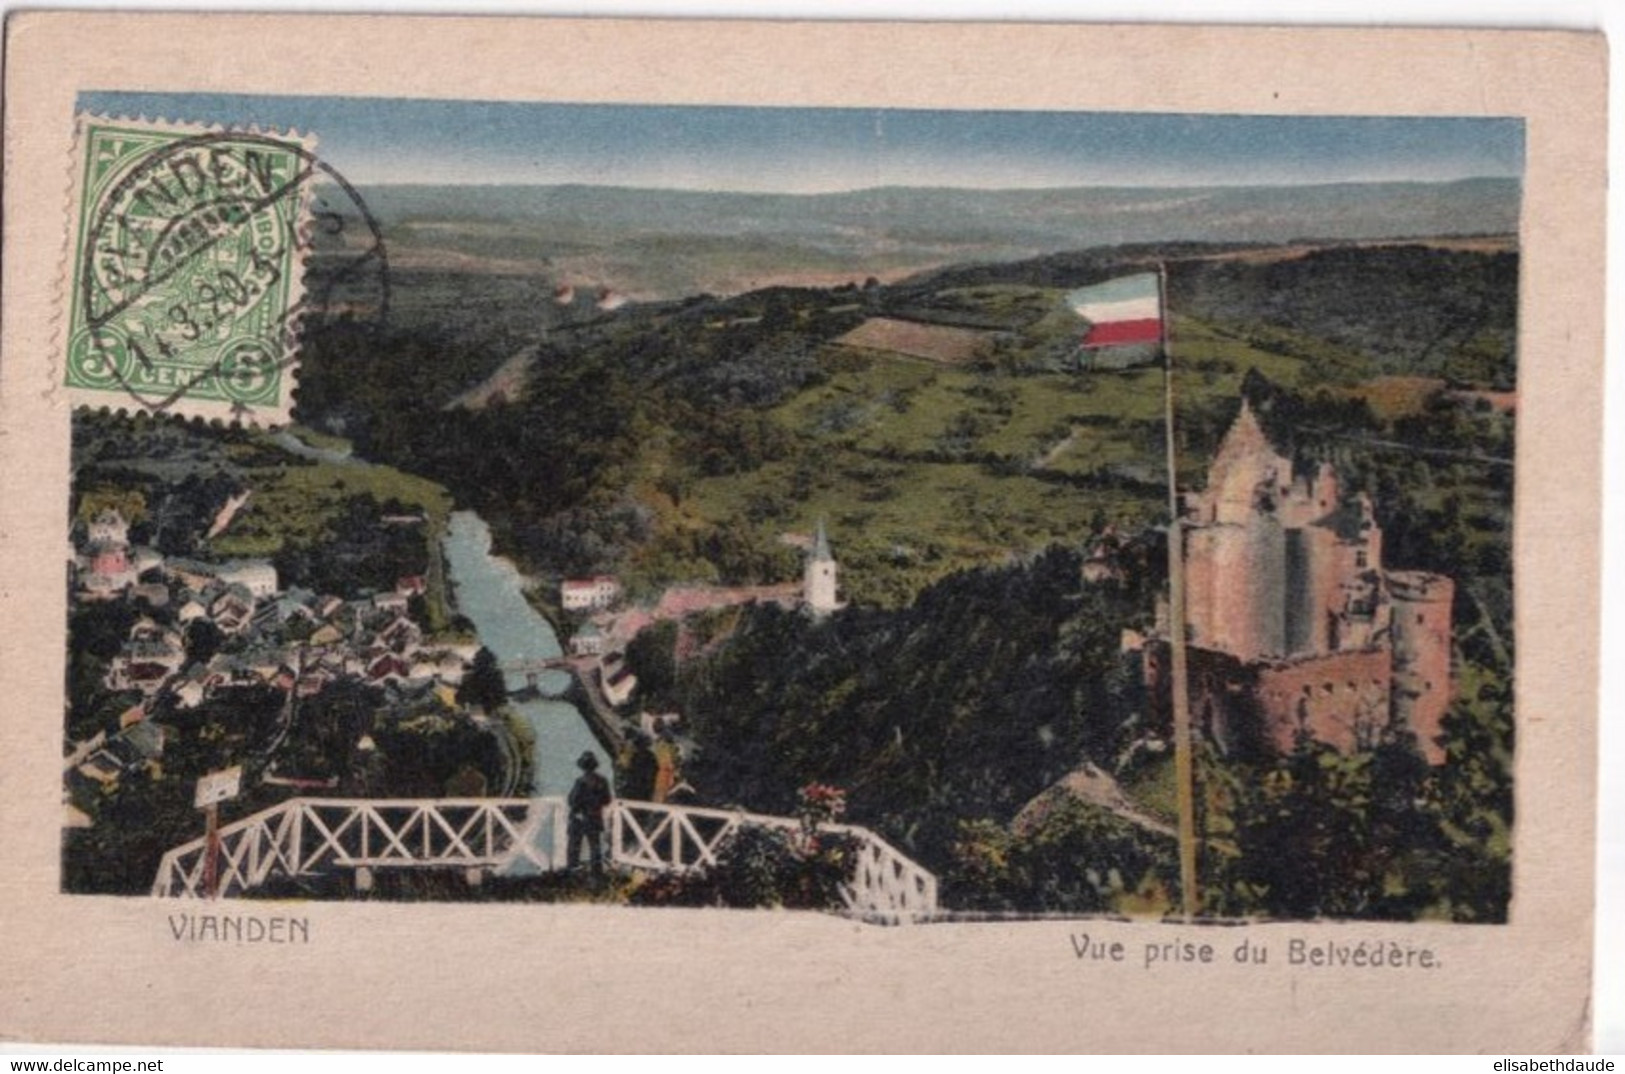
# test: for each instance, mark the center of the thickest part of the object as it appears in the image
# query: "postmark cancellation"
(183, 286)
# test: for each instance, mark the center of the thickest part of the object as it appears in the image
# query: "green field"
(298, 503)
(921, 470)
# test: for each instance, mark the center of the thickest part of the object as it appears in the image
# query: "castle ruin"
(1292, 623)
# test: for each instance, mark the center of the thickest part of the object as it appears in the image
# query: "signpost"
(212, 789)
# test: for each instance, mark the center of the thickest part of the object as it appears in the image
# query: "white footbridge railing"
(885, 885)
(313, 836)
(508, 836)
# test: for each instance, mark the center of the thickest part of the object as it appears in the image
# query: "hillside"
(957, 722)
(1347, 296)
(681, 441)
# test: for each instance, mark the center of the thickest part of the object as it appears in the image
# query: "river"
(488, 590)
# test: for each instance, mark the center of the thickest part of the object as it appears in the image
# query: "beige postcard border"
(579, 978)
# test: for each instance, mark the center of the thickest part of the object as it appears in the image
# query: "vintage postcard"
(821, 537)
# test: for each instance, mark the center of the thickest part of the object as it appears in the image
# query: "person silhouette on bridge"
(588, 799)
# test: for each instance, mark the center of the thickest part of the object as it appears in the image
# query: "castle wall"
(1201, 558)
(1200, 581)
(1229, 626)
(1266, 587)
(1333, 573)
(1304, 621)
(1338, 698)
(1252, 589)
(1258, 708)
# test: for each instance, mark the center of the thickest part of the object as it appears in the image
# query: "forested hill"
(680, 441)
(1418, 309)
(965, 706)
(1365, 298)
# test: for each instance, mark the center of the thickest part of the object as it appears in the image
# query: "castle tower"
(1421, 638)
(818, 580)
(1235, 547)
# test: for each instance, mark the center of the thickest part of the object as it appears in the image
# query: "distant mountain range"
(662, 243)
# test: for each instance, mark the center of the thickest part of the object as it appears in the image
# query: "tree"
(203, 640)
(484, 686)
(1470, 799)
(1321, 834)
(99, 628)
(333, 721)
(652, 657)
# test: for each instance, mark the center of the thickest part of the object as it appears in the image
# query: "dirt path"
(1047, 459)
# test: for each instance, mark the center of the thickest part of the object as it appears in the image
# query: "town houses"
(206, 629)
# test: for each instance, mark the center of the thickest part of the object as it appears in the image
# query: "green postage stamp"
(186, 258)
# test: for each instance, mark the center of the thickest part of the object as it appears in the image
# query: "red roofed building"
(589, 594)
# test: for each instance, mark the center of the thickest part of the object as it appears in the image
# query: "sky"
(817, 150)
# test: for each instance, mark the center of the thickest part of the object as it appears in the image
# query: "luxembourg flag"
(1120, 312)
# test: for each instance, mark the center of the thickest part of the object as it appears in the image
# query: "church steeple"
(821, 544)
(819, 579)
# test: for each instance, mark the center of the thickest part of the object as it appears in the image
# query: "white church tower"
(818, 583)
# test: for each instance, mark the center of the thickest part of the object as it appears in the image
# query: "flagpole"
(1184, 769)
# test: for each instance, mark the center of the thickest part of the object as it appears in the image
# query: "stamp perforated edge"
(179, 404)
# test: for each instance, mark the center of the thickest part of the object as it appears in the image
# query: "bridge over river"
(534, 669)
(308, 837)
